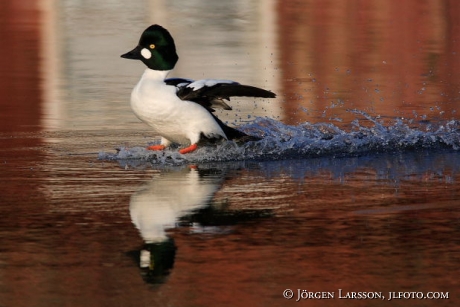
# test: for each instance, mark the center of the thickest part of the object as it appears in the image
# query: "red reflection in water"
(387, 57)
(328, 239)
(21, 201)
(20, 93)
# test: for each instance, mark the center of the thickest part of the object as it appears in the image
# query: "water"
(281, 141)
(354, 188)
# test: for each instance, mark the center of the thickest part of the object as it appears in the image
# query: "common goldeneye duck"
(181, 110)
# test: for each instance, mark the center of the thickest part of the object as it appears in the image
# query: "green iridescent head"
(156, 49)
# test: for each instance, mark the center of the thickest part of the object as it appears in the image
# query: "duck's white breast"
(157, 104)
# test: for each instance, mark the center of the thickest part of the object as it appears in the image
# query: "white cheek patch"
(146, 53)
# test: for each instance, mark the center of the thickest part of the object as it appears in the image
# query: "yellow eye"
(152, 46)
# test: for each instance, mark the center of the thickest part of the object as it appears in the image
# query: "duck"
(181, 110)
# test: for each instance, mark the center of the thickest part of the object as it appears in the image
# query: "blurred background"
(61, 65)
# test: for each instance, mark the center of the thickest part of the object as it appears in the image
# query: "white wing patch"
(207, 82)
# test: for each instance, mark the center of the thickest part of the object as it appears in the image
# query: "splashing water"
(280, 141)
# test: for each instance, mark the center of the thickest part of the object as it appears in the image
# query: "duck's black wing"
(211, 94)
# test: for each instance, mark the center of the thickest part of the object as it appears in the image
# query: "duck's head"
(156, 49)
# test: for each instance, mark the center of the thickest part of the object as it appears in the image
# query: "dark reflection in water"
(155, 260)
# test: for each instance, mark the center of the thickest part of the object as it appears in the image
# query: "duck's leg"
(189, 149)
(163, 144)
(156, 147)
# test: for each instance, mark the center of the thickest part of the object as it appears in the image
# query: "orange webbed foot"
(189, 149)
(156, 147)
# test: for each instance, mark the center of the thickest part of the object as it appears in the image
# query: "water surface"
(354, 187)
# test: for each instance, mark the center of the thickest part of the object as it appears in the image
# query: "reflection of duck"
(163, 200)
(158, 205)
(156, 260)
(180, 197)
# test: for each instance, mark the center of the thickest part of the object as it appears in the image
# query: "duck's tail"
(235, 134)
